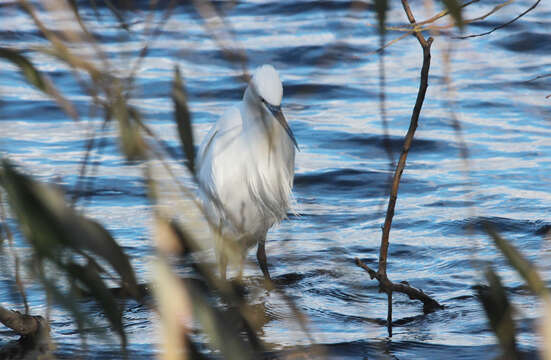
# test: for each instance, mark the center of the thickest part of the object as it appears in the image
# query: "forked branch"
(385, 284)
(429, 304)
(425, 44)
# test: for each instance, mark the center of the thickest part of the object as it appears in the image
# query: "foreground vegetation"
(74, 256)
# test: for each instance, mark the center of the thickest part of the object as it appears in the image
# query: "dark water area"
(323, 53)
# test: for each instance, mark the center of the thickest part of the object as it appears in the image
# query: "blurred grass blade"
(381, 7)
(39, 81)
(74, 7)
(454, 8)
(57, 48)
(52, 227)
(62, 53)
(500, 313)
(220, 328)
(526, 269)
(89, 278)
(170, 237)
(174, 309)
(69, 301)
(183, 119)
(193, 351)
(33, 76)
(131, 141)
(545, 330)
(35, 219)
(117, 13)
(97, 239)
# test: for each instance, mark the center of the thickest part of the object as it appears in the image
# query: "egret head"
(268, 85)
(268, 90)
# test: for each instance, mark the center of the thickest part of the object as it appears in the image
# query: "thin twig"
(403, 36)
(539, 77)
(416, 28)
(500, 26)
(443, 13)
(411, 27)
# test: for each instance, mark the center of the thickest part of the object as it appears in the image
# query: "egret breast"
(246, 176)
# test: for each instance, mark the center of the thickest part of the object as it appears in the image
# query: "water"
(331, 100)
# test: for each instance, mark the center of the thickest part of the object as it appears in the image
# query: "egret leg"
(261, 257)
(221, 254)
(222, 264)
(241, 266)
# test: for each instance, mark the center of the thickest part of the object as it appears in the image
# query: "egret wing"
(215, 146)
(229, 123)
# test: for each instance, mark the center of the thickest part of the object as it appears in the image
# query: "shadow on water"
(353, 182)
(527, 42)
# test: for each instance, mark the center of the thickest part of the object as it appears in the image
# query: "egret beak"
(278, 114)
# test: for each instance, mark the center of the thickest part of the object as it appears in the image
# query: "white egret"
(246, 167)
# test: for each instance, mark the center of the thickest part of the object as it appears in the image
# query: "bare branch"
(407, 142)
(403, 36)
(444, 13)
(387, 286)
(502, 25)
(417, 28)
(22, 324)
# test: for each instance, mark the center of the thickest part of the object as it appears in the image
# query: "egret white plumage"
(246, 167)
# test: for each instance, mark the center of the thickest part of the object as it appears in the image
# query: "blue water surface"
(324, 52)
